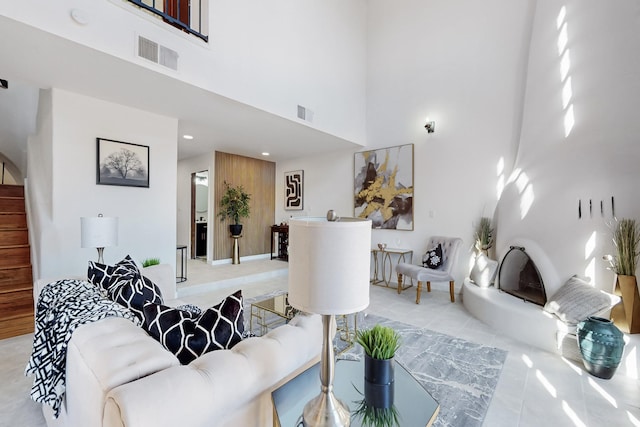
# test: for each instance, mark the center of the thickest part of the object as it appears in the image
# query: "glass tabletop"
(278, 305)
(414, 404)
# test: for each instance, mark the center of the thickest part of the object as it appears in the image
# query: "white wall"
(272, 55)
(599, 156)
(147, 216)
(39, 187)
(328, 184)
(460, 63)
(18, 111)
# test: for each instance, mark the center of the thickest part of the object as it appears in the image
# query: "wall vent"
(305, 114)
(156, 53)
(302, 112)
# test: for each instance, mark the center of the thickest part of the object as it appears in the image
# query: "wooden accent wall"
(258, 178)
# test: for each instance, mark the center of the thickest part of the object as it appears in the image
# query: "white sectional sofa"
(118, 375)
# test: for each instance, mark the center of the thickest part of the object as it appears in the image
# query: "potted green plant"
(150, 261)
(380, 344)
(234, 205)
(484, 235)
(626, 240)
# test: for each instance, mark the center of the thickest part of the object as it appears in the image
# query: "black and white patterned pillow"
(100, 274)
(192, 310)
(216, 328)
(125, 284)
(133, 290)
(433, 257)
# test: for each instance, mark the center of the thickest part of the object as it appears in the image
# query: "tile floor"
(536, 387)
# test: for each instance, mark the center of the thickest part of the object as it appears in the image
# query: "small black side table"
(183, 263)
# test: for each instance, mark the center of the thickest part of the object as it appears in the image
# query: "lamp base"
(100, 255)
(326, 410)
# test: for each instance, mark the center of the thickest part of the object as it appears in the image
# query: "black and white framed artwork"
(122, 163)
(293, 190)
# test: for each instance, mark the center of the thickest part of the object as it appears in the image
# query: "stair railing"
(192, 23)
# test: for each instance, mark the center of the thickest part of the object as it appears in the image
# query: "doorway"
(199, 214)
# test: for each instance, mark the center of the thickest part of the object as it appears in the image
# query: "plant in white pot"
(234, 205)
(626, 240)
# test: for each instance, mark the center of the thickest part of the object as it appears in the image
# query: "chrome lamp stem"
(326, 410)
(100, 255)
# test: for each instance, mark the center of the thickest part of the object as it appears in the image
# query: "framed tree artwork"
(122, 163)
(294, 190)
(383, 187)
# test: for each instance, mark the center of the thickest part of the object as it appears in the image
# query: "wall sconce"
(430, 126)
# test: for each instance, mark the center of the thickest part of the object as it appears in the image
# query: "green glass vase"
(601, 344)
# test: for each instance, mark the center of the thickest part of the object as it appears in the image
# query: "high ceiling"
(33, 59)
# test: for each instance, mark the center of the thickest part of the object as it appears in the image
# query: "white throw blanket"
(62, 307)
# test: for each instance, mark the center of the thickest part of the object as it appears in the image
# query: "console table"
(283, 241)
(382, 263)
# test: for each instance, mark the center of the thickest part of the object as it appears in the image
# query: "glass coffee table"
(271, 312)
(414, 404)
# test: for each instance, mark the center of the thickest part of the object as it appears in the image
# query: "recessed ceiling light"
(187, 136)
(265, 153)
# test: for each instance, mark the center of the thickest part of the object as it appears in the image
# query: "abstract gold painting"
(383, 186)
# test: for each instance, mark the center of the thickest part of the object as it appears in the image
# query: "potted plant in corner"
(380, 344)
(626, 240)
(484, 236)
(234, 205)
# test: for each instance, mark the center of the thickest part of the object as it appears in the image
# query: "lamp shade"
(98, 232)
(329, 265)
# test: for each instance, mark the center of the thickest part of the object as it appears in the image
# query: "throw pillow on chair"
(433, 257)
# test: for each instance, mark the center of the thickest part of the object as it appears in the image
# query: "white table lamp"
(329, 269)
(99, 232)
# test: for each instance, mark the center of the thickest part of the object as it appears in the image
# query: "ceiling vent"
(154, 52)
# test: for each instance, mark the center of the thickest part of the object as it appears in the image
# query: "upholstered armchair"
(441, 273)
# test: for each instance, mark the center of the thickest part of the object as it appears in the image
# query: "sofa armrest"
(221, 384)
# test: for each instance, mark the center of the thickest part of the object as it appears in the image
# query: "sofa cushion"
(188, 336)
(576, 300)
(433, 257)
(484, 270)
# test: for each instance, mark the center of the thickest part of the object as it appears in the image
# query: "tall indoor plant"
(234, 205)
(626, 240)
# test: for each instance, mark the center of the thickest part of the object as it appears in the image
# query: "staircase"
(16, 281)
